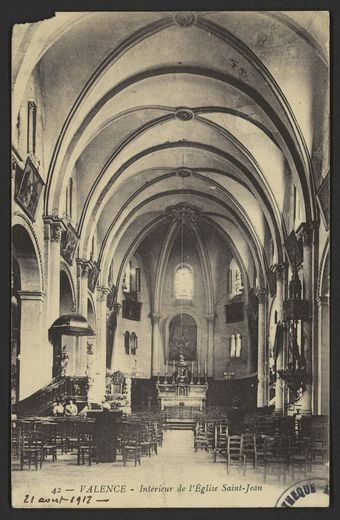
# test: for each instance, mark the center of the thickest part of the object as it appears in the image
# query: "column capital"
(84, 267)
(261, 295)
(210, 317)
(54, 228)
(155, 317)
(31, 295)
(102, 293)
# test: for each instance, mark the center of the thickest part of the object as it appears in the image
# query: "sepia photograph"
(170, 260)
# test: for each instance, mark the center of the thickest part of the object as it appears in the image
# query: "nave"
(170, 243)
(183, 469)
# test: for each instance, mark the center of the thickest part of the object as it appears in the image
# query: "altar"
(183, 390)
(172, 395)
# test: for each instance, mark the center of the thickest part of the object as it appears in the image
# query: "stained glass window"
(184, 283)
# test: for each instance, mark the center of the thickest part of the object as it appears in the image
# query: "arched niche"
(182, 337)
(33, 362)
(322, 397)
(66, 294)
(15, 330)
(91, 316)
(25, 255)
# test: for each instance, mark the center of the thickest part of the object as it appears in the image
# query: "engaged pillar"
(34, 373)
(210, 344)
(53, 234)
(307, 239)
(279, 385)
(84, 267)
(261, 355)
(156, 354)
(99, 376)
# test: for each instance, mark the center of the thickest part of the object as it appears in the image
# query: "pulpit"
(106, 433)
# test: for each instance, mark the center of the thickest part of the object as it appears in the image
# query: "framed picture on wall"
(234, 312)
(132, 310)
(69, 244)
(293, 249)
(30, 188)
(93, 277)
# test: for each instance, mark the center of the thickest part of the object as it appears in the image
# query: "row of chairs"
(278, 453)
(37, 440)
(138, 437)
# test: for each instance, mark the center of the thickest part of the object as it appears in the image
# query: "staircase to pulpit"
(40, 403)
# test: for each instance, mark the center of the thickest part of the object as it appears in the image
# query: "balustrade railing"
(62, 388)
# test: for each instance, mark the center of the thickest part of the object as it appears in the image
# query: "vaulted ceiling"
(224, 111)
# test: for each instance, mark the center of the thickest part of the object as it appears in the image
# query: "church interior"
(170, 236)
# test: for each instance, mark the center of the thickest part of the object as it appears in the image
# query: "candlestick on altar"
(166, 367)
(198, 373)
(173, 371)
(158, 380)
(205, 368)
(192, 373)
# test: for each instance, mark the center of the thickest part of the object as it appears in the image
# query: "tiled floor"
(176, 477)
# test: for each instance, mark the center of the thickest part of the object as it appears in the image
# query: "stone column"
(323, 355)
(117, 342)
(98, 389)
(279, 385)
(34, 371)
(156, 354)
(261, 354)
(53, 233)
(307, 238)
(210, 343)
(81, 343)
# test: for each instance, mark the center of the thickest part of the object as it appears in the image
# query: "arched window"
(127, 342)
(69, 200)
(133, 343)
(184, 284)
(234, 279)
(127, 279)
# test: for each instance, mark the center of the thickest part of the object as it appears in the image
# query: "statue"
(183, 375)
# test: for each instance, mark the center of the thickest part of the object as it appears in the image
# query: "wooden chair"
(249, 448)
(221, 440)
(86, 446)
(146, 443)
(31, 451)
(318, 445)
(201, 440)
(260, 441)
(235, 452)
(275, 458)
(49, 443)
(299, 456)
(131, 448)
